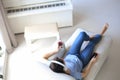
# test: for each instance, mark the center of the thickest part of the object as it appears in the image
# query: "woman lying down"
(77, 63)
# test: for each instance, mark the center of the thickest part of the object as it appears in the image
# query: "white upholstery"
(102, 48)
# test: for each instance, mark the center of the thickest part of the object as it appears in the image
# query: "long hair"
(56, 67)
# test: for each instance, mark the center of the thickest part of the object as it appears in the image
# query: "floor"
(87, 14)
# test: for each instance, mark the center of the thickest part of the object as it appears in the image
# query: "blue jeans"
(86, 54)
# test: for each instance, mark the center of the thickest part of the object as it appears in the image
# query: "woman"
(77, 63)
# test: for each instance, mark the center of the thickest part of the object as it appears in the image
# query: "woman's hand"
(88, 67)
(94, 59)
(60, 43)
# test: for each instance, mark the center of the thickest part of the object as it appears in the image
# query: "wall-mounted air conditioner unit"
(23, 13)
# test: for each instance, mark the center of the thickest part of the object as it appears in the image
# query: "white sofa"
(102, 48)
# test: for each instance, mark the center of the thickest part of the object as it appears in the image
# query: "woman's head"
(57, 67)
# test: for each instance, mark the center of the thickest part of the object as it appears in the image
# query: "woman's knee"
(85, 36)
(83, 32)
(98, 36)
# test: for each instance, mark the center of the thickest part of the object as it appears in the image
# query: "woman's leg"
(75, 48)
(87, 53)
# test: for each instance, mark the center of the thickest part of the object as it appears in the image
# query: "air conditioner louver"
(36, 7)
(54, 11)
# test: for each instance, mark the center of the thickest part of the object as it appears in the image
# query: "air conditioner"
(23, 13)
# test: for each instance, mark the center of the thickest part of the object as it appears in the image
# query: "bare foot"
(105, 28)
(91, 37)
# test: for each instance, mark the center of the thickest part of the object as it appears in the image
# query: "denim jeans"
(86, 54)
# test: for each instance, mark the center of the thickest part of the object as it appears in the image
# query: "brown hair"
(56, 67)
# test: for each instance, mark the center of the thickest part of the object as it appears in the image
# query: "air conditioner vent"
(35, 7)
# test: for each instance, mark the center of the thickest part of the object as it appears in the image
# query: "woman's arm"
(49, 54)
(87, 69)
